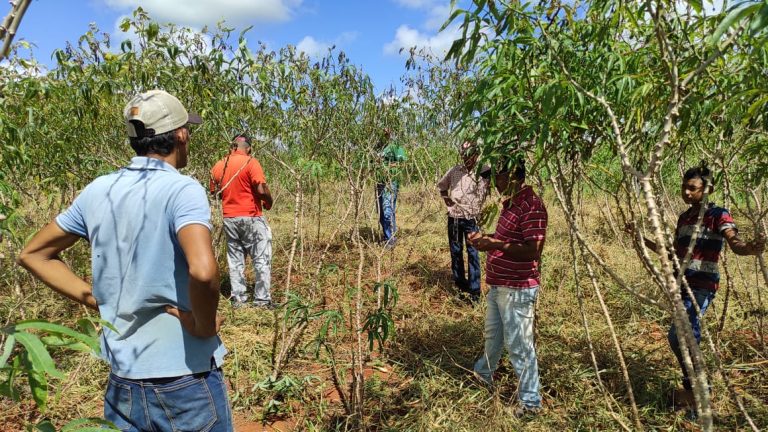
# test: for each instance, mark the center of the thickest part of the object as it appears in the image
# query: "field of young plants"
(608, 102)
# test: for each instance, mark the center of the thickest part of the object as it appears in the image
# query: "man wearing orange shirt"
(239, 182)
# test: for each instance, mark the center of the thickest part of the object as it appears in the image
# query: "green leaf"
(759, 21)
(44, 426)
(7, 388)
(96, 320)
(696, 5)
(10, 341)
(755, 106)
(451, 18)
(60, 342)
(39, 387)
(38, 356)
(125, 24)
(152, 31)
(54, 328)
(734, 16)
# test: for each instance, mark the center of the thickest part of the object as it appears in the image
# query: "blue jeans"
(509, 323)
(703, 298)
(386, 197)
(458, 229)
(188, 403)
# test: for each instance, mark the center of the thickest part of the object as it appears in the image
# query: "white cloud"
(407, 37)
(316, 48)
(118, 35)
(426, 36)
(203, 42)
(312, 47)
(437, 16)
(206, 12)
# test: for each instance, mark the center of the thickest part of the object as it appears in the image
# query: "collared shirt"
(238, 197)
(391, 156)
(703, 272)
(131, 218)
(465, 190)
(523, 218)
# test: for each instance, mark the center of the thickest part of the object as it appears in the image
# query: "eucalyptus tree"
(609, 95)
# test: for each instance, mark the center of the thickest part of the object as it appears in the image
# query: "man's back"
(131, 218)
(237, 194)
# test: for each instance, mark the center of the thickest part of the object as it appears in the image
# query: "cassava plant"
(570, 83)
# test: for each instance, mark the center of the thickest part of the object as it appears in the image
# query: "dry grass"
(421, 380)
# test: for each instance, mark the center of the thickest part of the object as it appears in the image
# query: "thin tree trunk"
(688, 347)
(616, 343)
(11, 25)
(567, 207)
(358, 378)
(285, 340)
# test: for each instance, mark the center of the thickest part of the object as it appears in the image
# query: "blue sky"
(370, 31)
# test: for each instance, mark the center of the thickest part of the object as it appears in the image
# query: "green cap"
(156, 112)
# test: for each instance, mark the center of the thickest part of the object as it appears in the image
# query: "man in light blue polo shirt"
(155, 278)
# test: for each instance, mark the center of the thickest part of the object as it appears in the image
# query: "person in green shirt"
(390, 156)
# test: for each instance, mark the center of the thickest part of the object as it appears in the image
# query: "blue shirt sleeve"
(72, 220)
(190, 206)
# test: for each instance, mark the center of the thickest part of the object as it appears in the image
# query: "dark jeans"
(386, 198)
(457, 234)
(704, 298)
(195, 402)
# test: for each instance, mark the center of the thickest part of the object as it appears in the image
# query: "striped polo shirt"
(702, 272)
(523, 218)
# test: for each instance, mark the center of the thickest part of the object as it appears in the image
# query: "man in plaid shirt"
(464, 194)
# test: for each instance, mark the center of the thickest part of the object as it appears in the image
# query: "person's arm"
(41, 257)
(201, 321)
(740, 247)
(442, 185)
(527, 251)
(446, 199)
(629, 228)
(533, 226)
(263, 194)
(650, 244)
(259, 184)
(214, 185)
(214, 188)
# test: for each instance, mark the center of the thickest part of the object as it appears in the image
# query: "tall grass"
(421, 379)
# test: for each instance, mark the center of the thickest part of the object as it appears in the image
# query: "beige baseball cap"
(158, 112)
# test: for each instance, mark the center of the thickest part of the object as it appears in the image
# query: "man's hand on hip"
(190, 325)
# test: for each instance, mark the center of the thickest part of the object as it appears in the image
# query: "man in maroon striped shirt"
(702, 274)
(512, 271)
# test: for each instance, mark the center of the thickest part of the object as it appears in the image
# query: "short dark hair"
(701, 172)
(162, 144)
(516, 166)
(520, 170)
(245, 138)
